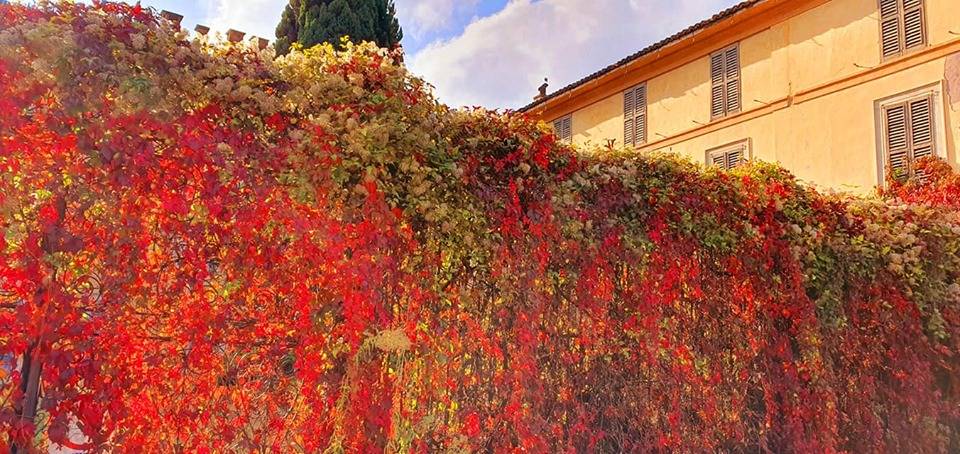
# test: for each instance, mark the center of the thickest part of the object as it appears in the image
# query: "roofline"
(714, 21)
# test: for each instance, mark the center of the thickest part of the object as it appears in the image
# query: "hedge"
(206, 249)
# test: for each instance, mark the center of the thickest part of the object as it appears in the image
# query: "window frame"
(902, 30)
(725, 82)
(743, 144)
(636, 114)
(936, 93)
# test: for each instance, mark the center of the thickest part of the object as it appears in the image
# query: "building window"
(909, 133)
(729, 156)
(563, 128)
(635, 116)
(902, 27)
(725, 82)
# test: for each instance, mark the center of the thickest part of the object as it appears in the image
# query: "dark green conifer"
(312, 22)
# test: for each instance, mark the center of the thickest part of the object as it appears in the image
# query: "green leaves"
(309, 253)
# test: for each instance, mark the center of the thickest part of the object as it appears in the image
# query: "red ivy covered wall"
(204, 249)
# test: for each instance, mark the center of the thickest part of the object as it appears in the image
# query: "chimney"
(543, 90)
(202, 29)
(175, 18)
(235, 36)
(262, 43)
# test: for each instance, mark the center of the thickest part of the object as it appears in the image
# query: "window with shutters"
(563, 128)
(729, 156)
(902, 27)
(908, 134)
(635, 116)
(725, 82)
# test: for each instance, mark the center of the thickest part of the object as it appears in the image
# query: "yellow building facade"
(839, 92)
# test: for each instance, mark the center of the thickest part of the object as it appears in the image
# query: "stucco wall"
(829, 139)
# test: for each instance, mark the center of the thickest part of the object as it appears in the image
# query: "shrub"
(205, 250)
(939, 186)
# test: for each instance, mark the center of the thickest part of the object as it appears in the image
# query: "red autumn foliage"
(205, 250)
(940, 185)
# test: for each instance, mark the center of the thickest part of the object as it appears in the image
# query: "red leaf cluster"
(206, 250)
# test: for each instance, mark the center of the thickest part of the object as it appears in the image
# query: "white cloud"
(260, 17)
(254, 17)
(426, 16)
(498, 61)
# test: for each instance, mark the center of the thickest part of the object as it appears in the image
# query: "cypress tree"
(387, 24)
(289, 28)
(312, 22)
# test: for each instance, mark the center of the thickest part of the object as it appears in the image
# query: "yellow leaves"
(393, 341)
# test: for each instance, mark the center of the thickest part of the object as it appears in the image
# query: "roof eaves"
(689, 31)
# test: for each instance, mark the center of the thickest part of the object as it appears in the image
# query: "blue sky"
(492, 53)
(424, 21)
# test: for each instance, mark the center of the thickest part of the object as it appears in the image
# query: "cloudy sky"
(493, 53)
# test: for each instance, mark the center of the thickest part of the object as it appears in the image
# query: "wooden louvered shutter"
(725, 82)
(562, 127)
(629, 104)
(902, 26)
(731, 156)
(890, 28)
(909, 135)
(921, 132)
(640, 115)
(717, 88)
(735, 156)
(719, 159)
(914, 33)
(635, 115)
(897, 140)
(732, 77)
(921, 127)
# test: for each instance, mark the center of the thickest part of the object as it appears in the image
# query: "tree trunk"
(30, 386)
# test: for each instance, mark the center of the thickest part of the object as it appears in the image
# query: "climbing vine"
(205, 249)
